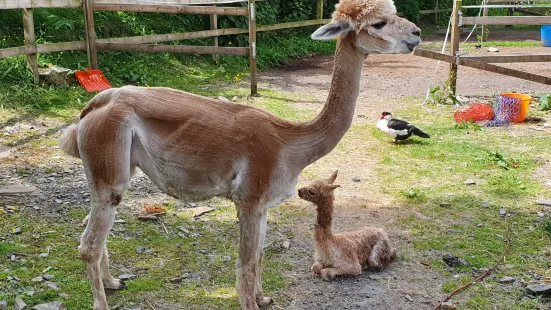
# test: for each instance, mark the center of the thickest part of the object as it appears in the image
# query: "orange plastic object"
(477, 112)
(92, 80)
(524, 103)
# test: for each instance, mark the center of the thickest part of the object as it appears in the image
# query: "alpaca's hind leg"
(108, 280)
(381, 256)
(261, 300)
(93, 243)
(350, 269)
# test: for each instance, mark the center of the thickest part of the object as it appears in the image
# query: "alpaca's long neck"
(316, 138)
(324, 221)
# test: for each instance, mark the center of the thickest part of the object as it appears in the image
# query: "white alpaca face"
(378, 29)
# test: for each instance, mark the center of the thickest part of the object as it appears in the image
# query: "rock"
(48, 276)
(540, 214)
(139, 250)
(16, 190)
(502, 211)
(58, 76)
(445, 205)
(125, 277)
(17, 230)
(454, 261)
(222, 98)
(356, 180)
(227, 259)
(539, 289)
(480, 225)
(43, 254)
(198, 211)
(544, 202)
(448, 305)
(3, 304)
(493, 50)
(486, 204)
(119, 221)
(56, 305)
(505, 280)
(409, 298)
(531, 228)
(52, 285)
(470, 182)
(37, 279)
(47, 269)
(182, 235)
(286, 244)
(63, 295)
(5, 151)
(20, 304)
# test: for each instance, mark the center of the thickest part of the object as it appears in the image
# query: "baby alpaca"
(345, 253)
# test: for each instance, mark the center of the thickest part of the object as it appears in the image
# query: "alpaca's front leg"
(352, 269)
(248, 256)
(261, 300)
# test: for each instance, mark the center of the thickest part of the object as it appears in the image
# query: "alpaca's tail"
(68, 141)
(418, 132)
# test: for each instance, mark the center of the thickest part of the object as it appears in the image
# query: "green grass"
(420, 174)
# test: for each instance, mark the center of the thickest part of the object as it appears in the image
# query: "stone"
(63, 295)
(47, 269)
(445, 205)
(198, 211)
(20, 304)
(470, 182)
(56, 75)
(540, 214)
(545, 202)
(356, 180)
(539, 289)
(222, 98)
(125, 277)
(52, 286)
(286, 244)
(506, 280)
(448, 305)
(479, 225)
(502, 211)
(454, 261)
(37, 279)
(139, 249)
(16, 190)
(409, 298)
(5, 151)
(3, 304)
(17, 230)
(48, 276)
(43, 254)
(56, 305)
(493, 49)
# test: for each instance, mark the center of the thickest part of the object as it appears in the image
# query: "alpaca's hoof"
(115, 284)
(263, 301)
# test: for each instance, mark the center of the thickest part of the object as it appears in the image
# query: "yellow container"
(524, 103)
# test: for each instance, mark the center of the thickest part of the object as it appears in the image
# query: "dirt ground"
(387, 82)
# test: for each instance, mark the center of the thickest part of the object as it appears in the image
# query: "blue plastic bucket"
(546, 35)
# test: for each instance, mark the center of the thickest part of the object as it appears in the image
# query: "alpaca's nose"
(416, 32)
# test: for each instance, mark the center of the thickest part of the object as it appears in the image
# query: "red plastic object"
(92, 80)
(476, 112)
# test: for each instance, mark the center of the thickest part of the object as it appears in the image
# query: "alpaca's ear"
(332, 178)
(333, 186)
(332, 30)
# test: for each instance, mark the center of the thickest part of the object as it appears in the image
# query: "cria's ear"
(333, 186)
(333, 177)
(332, 30)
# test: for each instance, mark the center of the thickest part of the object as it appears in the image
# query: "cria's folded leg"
(316, 268)
(381, 255)
(351, 269)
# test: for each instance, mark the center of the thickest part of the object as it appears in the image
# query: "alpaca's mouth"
(411, 46)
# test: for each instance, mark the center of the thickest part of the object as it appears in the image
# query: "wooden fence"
(484, 62)
(144, 43)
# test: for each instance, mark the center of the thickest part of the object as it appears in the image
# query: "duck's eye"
(311, 192)
(379, 25)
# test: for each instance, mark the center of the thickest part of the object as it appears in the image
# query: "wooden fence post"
(28, 33)
(319, 10)
(214, 26)
(252, 45)
(436, 13)
(484, 34)
(90, 34)
(456, 32)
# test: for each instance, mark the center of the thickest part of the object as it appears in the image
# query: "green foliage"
(443, 94)
(545, 103)
(547, 226)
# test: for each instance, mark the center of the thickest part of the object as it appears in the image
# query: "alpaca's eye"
(379, 25)
(311, 192)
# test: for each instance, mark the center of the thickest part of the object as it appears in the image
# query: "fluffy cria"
(345, 253)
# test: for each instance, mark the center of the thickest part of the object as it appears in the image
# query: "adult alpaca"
(194, 147)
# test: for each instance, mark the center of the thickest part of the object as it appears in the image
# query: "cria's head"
(377, 28)
(319, 190)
